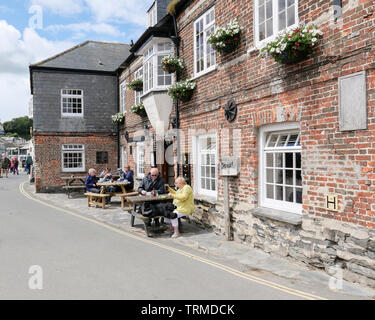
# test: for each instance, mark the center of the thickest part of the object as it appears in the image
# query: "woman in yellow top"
(183, 199)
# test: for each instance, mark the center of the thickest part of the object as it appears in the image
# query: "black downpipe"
(176, 41)
(118, 125)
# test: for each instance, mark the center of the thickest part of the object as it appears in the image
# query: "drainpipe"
(118, 125)
(176, 40)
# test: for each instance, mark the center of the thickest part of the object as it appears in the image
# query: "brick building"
(304, 132)
(75, 93)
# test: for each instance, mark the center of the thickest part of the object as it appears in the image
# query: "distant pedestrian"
(15, 164)
(5, 165)
(29, 163)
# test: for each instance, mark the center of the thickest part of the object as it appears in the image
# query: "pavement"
(106, 258)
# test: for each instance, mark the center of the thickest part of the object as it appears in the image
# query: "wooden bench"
(98, 196)
(145, 220)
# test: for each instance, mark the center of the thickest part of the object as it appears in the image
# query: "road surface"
(83, 260)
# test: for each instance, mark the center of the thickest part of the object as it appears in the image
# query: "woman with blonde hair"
(183, 199)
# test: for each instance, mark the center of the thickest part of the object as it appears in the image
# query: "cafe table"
(140, 201)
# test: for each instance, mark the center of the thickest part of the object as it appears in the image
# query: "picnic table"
(123, 194)
(74, 183)
(107, 184)
(141, 200)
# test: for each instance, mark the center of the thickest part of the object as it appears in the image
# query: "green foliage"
(18, 127)
(172, 7)
(136, 85)
(294, 45)
(226, 39)
(182, 90)
(139, 110)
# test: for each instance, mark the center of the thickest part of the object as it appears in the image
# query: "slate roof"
(89, 55)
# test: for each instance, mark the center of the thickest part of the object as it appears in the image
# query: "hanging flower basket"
(136, 85)
(294, 45)
(182, 90)
(119, 117)
(139, 110)
(172, 64)
(226, 39)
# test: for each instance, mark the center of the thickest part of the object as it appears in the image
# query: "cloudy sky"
(32, 30)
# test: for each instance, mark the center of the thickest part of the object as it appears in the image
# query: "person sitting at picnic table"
(91, 181)
(106, 176)
(183, 199)
(127, 175)
(152, 181)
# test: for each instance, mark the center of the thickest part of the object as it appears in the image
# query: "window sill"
(207, 199)
(203, 74)
(278, 215)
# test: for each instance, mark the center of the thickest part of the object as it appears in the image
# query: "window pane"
(279, 193)
(282, 140)
(212, 159)
(291, 19)
(269, 9)
(269, 193)
(279, 160)
(262, 31)
(269, 26)
(269, 159)
(289, 177)
(269, 173)
(290, 2)
(203, 183)
(273, 140)
(298, 160)
(289, 194)
(282, 21)
(208, 172)
(279, 176)
(298, 195)
(289, 160)
(213, 175)
(213, 185)
(292, 140)
(298, 178)
(281, 5)
(261, 14)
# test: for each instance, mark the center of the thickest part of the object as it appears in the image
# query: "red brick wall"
(48, 167)
(267, 92)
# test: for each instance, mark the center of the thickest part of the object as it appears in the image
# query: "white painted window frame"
(275, 14)
(197, 167)
(123, 96)
(139, 146)
(64, 150)
(205, 43)
(152, 16)
(138, 74)
(151, 59)
(76, 96)
(124, 157)
(263, 201)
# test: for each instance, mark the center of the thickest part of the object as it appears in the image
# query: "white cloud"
(119, 11)
(81, 29)
(17, 51)
(61, 7)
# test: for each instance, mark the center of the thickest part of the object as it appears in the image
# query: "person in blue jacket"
(128, 175)
(91, 181)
